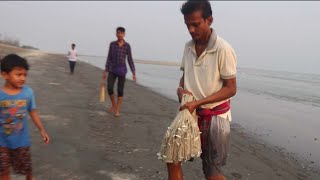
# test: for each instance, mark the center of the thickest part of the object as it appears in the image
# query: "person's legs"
(73, 66)
(215, 151)
(216, 177)
(21, 162)
(174, 171)
(210, 170)
(110, 83)
(121, 81)
(5, 163)
(5, 176)
(70, 66)
(119, 102)
(29, 177)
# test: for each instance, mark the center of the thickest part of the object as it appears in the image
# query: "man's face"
(198, 26)
(120, 35)
(17, 77)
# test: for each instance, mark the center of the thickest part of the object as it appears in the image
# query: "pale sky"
(265, 35)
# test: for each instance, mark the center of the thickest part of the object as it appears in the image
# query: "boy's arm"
(36, 120)
(131, 63)
(108, 64)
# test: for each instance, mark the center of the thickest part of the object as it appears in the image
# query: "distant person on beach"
(16, 102)
(209, 74)
(116, 68)
(72, 56)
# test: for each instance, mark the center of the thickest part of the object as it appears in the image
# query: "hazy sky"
(266, 35)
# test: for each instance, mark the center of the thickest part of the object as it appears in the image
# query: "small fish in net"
(182, 139)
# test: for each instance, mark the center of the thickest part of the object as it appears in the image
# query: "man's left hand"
(191, 106)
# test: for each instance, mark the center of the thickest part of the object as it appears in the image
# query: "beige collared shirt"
(204, 76)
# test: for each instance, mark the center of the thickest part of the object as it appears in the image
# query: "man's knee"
(120, 93)
(110, 89)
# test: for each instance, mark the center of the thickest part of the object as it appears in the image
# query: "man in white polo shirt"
(209, 74)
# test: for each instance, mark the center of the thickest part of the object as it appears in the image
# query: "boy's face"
(198, 27)
(16, 78)
(120, 35)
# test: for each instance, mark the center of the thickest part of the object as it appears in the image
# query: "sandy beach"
(90, 143)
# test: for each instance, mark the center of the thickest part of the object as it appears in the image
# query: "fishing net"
(182, 139)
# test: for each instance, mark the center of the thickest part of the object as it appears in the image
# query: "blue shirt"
(14, 111)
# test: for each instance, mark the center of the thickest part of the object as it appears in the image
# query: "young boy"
(116, 68)
(16, 99)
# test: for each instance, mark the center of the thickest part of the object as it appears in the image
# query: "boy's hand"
(104, 75)
(134, 77)
(45, 137)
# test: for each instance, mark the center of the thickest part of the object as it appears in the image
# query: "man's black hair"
(11, 61)
(121, 29)
(192, 6)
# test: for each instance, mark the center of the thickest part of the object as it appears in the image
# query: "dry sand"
(90, 143)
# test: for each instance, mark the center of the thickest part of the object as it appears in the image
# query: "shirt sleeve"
(130, 60)
(227, 63)
(108, 61)
(32, 102)
(183, 59)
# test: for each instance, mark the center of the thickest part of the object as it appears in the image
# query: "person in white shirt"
(72, 56)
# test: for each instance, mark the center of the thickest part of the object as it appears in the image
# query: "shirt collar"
(212, 45)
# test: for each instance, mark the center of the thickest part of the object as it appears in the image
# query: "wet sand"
(90, 143)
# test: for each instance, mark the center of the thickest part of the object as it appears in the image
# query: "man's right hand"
(181, 92)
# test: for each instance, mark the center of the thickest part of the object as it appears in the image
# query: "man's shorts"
(215, 142)
(19, 159)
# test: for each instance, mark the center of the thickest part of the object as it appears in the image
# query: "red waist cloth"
(220, 109)
(204, 119)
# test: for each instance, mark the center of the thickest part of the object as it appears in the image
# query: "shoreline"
(87, 141)
(163, 63)
(177, 63)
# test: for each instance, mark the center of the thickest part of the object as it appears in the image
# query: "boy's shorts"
(19, 159)
(215, 142)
